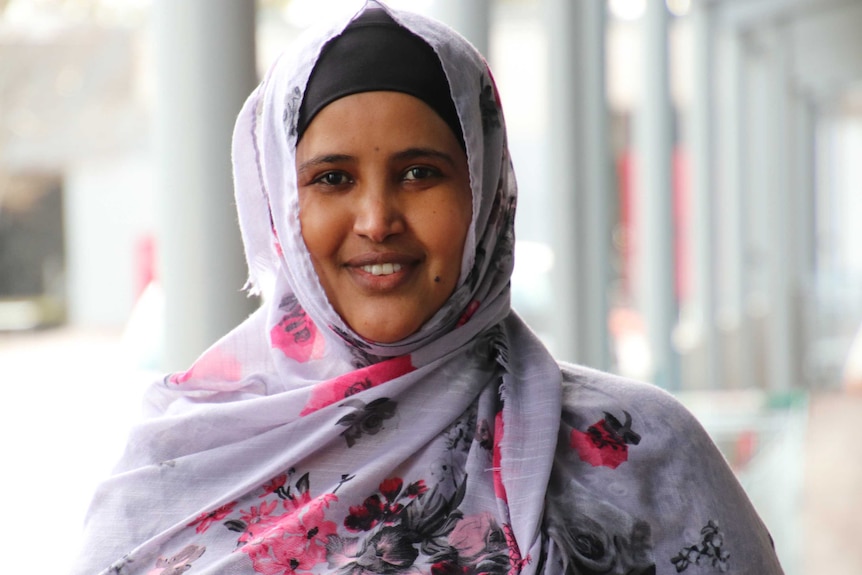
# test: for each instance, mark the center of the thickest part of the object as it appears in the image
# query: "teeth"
(382, 269)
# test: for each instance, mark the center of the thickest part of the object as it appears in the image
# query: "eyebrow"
(323, 159)
(415, 153)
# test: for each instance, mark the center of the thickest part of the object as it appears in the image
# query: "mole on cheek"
(437, 279)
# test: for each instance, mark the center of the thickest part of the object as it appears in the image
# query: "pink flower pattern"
(205, 520)
(275, 485)
(400, 528)
(477, 535)
(296, 335)
(179, 563)
(340, 388)
(214, 364)
(499, 488)
(516, 562)
(606, 442)
(472, 307)
(293, 542)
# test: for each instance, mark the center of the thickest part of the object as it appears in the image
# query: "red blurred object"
(627, 176)
(145, 263)
(746, 449)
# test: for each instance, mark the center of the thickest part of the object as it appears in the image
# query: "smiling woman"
(384, 207)
(386, 411)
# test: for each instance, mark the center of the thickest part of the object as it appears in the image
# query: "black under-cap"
(375, 53)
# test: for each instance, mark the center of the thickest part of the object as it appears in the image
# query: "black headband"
(375, 53)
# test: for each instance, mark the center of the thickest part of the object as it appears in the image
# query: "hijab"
(294, 445)
(375, 53)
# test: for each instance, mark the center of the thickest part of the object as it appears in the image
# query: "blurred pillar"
(579, 145)
(779, 189)
(733, 176)
(802, 226)
(471, 18)
(702, 218)
(758, 175)
(654, 127)
(827, 207)
(205, 68)
(806, 180)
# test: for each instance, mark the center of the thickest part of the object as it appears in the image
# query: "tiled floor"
(832, 499)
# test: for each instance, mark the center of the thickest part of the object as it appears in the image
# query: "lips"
(381, 271)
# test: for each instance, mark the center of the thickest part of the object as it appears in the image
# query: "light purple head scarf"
(294, 445)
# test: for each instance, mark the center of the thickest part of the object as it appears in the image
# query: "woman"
(385, 411)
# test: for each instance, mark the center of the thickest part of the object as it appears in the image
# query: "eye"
(333, 179)
(420, 173)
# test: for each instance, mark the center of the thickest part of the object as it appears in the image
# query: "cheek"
(319, 227)
(460, 221)
(449, 228)
(456, 235)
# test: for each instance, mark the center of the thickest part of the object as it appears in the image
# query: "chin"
(386, 336)
(385, 333)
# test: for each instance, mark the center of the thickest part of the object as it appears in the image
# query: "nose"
(379, 214)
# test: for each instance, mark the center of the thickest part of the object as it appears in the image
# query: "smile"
(381, 269)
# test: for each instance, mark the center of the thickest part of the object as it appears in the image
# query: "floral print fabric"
(293, 446)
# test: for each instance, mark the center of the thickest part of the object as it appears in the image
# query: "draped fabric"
(293, 445)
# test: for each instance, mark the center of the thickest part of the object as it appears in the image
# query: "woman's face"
(385, 205)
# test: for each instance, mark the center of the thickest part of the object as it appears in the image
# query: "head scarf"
(375, 53)
(294, 445)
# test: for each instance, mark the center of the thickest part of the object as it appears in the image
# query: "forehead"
(377, 119)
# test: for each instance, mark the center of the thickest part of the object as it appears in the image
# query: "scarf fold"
(293, 445)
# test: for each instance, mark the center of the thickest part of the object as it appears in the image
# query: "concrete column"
(806, 178)
(598, 190)
(802, 227)
(758, 173)
(734, 194)
(702, 303)
(578, 136)
(471, 18)
(828, 207)
(205, 68)
(654, 123)
(779, 280)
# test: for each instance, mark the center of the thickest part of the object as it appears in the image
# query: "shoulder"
(584, 388)
(656, 427)
(637, 462)
(641, 415)
(632, 421)
(578, 378)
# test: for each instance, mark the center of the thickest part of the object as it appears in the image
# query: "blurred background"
(690, 177)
